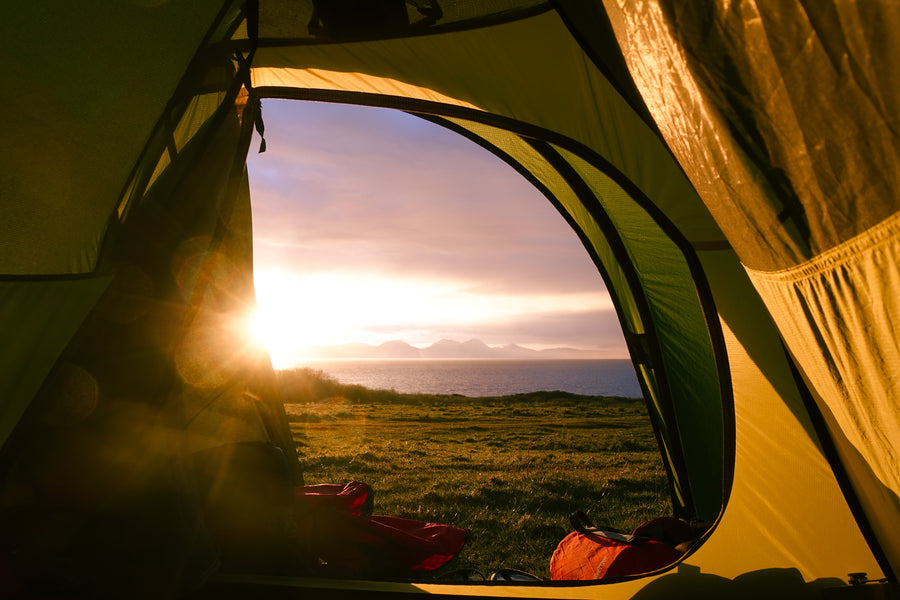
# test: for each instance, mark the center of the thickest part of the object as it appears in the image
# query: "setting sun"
(298, 312)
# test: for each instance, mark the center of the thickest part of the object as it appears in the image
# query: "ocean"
(487, 377)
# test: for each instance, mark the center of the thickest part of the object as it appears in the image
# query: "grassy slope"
(510, 469)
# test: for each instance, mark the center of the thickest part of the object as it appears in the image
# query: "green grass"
(508, 469)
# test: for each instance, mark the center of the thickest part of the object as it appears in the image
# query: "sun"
(262, 328)
(284, 322)
(267, 329)
(297, 312)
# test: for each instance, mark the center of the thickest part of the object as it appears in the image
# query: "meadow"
(508, 469)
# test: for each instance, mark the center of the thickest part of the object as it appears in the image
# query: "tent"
(730, 166)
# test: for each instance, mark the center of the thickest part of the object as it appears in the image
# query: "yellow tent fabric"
(796, 107)
(848, 349)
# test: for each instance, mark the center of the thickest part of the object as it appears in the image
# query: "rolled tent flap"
(784, 117)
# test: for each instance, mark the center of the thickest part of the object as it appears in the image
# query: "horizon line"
(425, 345)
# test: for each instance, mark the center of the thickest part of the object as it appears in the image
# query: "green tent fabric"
(91, 82)
(730, 167)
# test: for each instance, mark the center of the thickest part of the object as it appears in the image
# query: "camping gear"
(340, 531)
(587, 556)
(730, 166)
(590, 553)
(354, 498)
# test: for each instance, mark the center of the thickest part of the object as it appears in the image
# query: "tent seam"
(865, 242)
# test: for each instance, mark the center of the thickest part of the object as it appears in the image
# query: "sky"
(372, 225)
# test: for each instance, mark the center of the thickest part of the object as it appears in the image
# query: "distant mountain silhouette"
(449, 349)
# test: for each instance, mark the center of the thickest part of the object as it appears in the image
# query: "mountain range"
(449, 349)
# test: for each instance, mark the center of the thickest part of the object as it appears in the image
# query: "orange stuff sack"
(590, 553)
(585, 556)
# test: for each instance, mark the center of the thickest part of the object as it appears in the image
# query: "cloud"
(370, 191)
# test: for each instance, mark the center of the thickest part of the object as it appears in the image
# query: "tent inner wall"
(36, 275)
(149, 369)
(100, 462)
(86, 97)
(35, 337)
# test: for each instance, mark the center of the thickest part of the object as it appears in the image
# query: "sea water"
(487, 377)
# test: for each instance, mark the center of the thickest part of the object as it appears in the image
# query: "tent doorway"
(347, 197)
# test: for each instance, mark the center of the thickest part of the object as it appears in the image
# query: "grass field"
(510, 469)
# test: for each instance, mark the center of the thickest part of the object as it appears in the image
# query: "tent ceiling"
(309, 21)
(73, 138)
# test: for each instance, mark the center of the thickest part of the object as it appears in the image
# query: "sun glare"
(298, 312)
(261, 328)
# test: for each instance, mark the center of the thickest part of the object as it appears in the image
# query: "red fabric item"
(352, 543)
(587, 556)
(355, 498)
(420, 546)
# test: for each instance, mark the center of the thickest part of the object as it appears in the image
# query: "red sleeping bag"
(350, 542)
